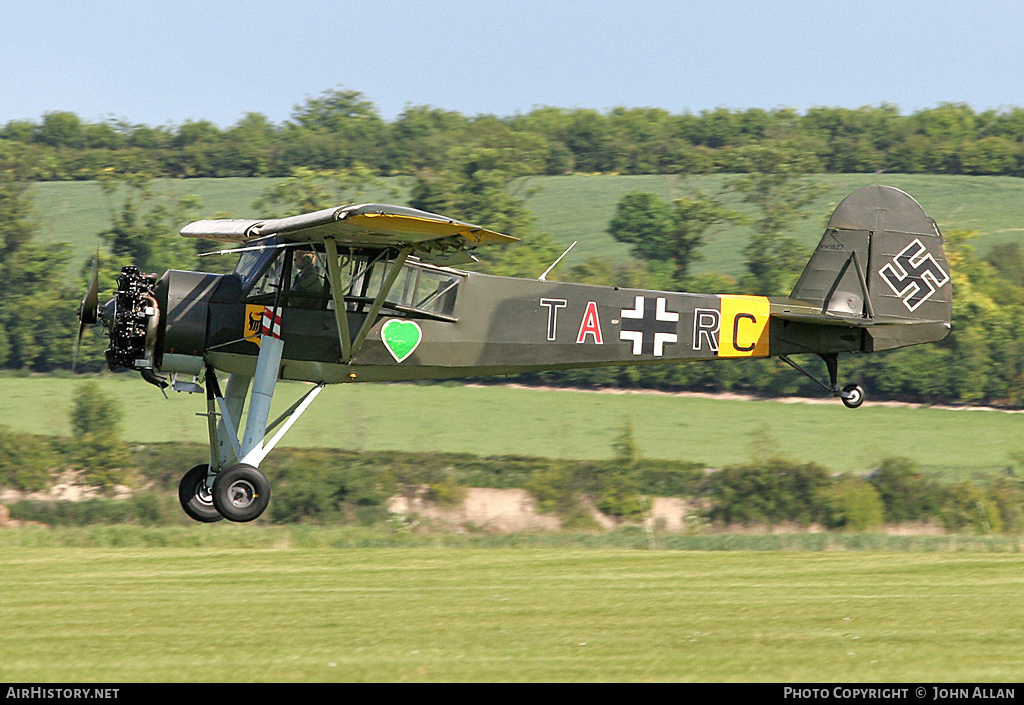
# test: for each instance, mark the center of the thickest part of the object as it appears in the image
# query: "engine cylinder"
(133, 321)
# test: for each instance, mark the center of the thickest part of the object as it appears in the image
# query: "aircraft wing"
(364, 225)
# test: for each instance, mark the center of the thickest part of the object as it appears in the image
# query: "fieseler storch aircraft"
(366, 293)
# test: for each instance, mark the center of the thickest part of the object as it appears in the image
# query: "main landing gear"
(231, 486)
(852, 395)
(240, 493)
(195, 498)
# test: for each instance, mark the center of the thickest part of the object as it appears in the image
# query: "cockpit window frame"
(370, 268)
(264, 258)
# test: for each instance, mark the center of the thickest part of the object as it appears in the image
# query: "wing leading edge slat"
(364, 225)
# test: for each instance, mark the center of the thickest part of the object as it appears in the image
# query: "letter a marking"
(590, 325)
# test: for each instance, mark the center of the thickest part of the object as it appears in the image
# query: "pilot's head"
(304, 259)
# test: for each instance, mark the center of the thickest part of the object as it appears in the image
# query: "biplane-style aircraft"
(364, 293)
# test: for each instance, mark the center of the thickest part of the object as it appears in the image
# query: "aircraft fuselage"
(498, 325)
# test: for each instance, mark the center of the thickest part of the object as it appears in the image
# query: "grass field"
(580, 207)
(498, 420)
(442, 614)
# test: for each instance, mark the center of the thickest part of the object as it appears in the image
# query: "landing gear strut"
(231, 486)
(852, 395)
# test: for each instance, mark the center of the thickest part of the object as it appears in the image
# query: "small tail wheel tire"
(195, 498)
(853, 395)
(241, 493)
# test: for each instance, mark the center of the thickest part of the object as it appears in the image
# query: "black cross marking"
(649, 325)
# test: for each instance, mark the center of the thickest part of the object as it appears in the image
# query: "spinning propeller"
(88, 311)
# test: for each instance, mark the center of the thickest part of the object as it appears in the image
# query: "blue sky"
(162, 63)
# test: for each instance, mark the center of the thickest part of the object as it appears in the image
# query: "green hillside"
(77, 211)
(580, 207)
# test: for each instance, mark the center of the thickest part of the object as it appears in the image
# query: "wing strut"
(350, 347)
(385, 289)
(340, 311)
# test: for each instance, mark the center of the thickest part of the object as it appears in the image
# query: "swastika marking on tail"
(914, 275)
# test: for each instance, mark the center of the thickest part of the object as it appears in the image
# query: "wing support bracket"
(350, 346)
(290, 417)
(385, 289)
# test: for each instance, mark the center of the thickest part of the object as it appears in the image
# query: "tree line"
(342, 128)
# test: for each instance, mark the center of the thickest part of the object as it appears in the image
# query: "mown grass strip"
(569, 614)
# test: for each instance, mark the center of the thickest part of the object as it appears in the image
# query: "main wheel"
(196, 500)
(241, 493)
(853, 395)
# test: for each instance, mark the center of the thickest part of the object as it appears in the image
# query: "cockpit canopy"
(420, 289)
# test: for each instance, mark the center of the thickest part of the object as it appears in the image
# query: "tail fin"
(880, 265)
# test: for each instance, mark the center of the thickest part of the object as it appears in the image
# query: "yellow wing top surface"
(363, 225)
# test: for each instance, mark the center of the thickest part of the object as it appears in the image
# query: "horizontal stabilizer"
(825, 319)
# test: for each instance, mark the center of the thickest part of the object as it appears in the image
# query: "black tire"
(241, 493)
(195, 499)
(853, 395)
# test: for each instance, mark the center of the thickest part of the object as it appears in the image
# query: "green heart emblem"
(401, 337)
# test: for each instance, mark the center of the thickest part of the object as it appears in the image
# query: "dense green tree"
(144, 228)
(475, 183)
(667, 232)
(1007, 494)
(25, 461)
(96, 435)
(60, 129)
(990, 155)
(308, 190)
(250, 147)
(334, 130)
(965, 504)
(852, 504)
(906, 493)
(552, 124)
(17, 220)
(772, 491)
(776, 184)
(420, 136)
(36, 308)
(947, 121)
(340, 128)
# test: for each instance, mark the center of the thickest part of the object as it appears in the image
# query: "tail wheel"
(853, 395)
(196, 500)
(241, 493)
